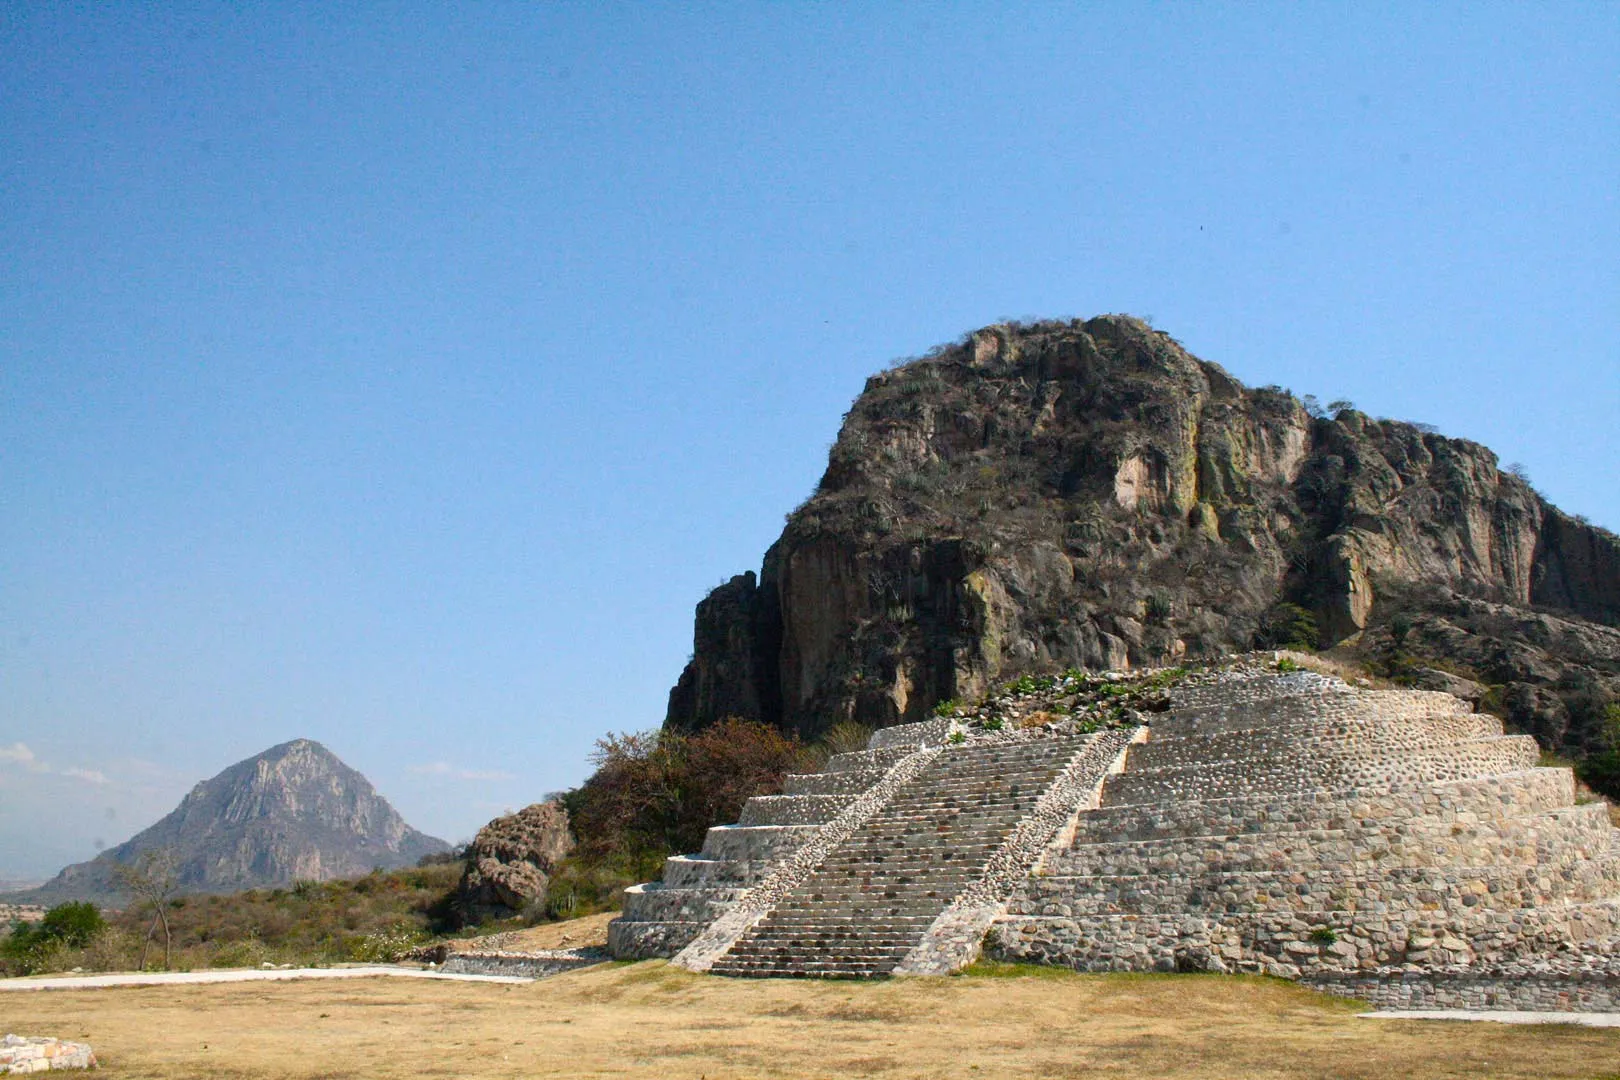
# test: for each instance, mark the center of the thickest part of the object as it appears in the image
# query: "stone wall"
(1356, 839)
(37, 1054)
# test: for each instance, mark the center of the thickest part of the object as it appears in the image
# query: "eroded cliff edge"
(1089, 494)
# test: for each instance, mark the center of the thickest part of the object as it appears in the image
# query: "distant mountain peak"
(290, 812)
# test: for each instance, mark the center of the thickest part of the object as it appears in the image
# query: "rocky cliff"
(1089, 494)
(292, 812)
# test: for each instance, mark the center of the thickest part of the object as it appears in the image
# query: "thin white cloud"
(18, 753)
(90, 776)
(452, 772)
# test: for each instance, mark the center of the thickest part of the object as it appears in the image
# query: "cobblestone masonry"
(30, 1055)
(537, 964)
(1386, 844)
(1389, 844)
(697, 891)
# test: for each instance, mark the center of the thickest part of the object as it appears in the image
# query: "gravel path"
(165, 978)
(1585, 1019)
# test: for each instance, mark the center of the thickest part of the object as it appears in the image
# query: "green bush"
(1288, 626)
(1601, 772)
(31, 948)
(75, 924)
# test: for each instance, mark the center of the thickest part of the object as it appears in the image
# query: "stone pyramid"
(1390, 844)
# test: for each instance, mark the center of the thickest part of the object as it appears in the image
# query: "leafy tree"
(656, 793)
(76, 923)
(71, 925)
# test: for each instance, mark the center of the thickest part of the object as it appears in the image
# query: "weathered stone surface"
(1259, 819)
(1279, 823)
(510, 861)
(1089, 494)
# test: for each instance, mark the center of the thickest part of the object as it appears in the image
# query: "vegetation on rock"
(1089, 495)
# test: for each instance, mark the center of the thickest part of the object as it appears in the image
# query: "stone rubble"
(19, 1054)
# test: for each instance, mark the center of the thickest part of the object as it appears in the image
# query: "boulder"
(511, 860)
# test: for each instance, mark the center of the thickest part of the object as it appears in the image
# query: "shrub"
(29, 949)
(1601, 772)
(845, 737)
(1324, 935)
(1288, 626)
(655, 794)
(75, 924)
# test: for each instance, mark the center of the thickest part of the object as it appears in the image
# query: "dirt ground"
(573, 934)
(652, 1020)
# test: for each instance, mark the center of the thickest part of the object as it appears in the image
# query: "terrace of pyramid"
(1389, 844)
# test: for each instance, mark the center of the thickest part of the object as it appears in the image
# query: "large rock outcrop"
(510, 861)
(292, 812)
(1072, 494)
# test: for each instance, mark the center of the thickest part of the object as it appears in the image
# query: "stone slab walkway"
(1585, 1019)
(166, 978)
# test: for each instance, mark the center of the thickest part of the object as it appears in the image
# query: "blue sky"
(400, 376)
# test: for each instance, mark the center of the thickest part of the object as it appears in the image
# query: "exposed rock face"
(293, 812)
(1091, 495)
(511, 860)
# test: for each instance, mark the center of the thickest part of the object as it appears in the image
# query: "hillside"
(1089, 494)
(294, 812)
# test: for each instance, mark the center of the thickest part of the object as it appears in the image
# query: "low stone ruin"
(1389, 844)
(19, 1054)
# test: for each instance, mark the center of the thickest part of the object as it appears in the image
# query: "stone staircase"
(662, 917)
(874, 898)
(1391, 844)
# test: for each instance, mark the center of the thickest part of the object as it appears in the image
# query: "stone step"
(793, 809)
(926, 733)
(1167, 749)
(1222, 779)
(1535, 837)
(1152, 942)
(658, 902)
(880, 761)
(1386, 889)
(868, 904)
(755, 843)
(846, 782)
(1392, 708)
(1509, 794)
(1254, 688)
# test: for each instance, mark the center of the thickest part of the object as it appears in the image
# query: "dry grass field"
(653, 1020)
